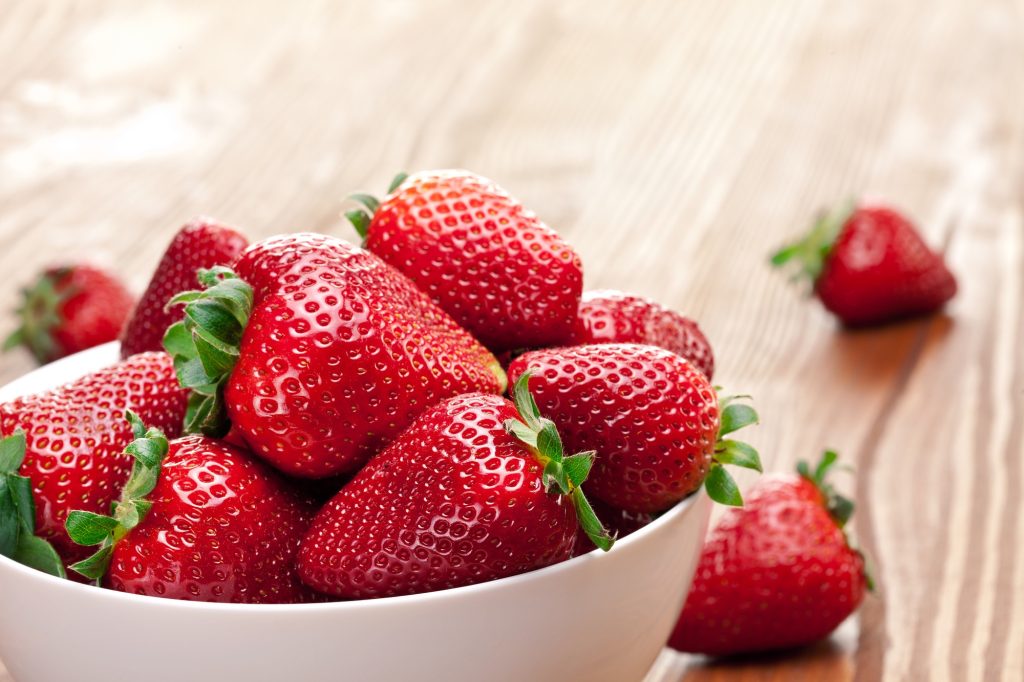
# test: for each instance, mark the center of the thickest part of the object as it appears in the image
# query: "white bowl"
(596, 617)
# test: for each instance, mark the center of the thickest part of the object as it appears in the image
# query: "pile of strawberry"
(441, 406)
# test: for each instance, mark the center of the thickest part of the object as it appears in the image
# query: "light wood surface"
(675, 143)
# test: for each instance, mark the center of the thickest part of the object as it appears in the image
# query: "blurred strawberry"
(869, 266)
(201, 244)
(70, 309)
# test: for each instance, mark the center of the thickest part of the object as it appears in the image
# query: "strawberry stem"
(361, 217)
(563, 475)
(810, 252)
(719, 483)
(39, 316)
(148, 450)
(840, 508)
(205, 345)
(18, 540)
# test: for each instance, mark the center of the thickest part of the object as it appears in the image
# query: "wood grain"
(675, 145)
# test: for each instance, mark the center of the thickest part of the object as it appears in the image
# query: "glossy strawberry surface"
(76, 435)
(880, 269)
(774, 574)
(489, 262)
(340, 354)
(614, 317)
(652, 417)
(223, 527)
(454, 500)
(202, 243)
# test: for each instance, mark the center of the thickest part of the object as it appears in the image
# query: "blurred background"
(674, 143)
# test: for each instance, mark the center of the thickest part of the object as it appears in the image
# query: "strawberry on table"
(776, 574)
(201, 244)
(74, 438)
(869, 265)
(488, 262)
(653, 418)
(614, 317)
(198, 520)
(317, 353)
(70, 309)
(476, 489)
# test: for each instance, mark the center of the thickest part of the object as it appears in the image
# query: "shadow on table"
(826, 660)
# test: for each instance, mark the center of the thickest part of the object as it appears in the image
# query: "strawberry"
(652, 417)
(317, 353)
(472, 491)
(776, 574)
(198, 520)
(488, 262)
(74, 437)
(69, 309)
(201, 244)
(615, 317)
(619, 524)
(869, 266)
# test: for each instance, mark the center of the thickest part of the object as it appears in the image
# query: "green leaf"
(827, 460)
(841, 509)
(95, 567)
(360, 221)
(549, 444)
(10, 528)
(37, 553)
(14, 339)
(191, 372)
(12, 452)
(183, 297)
(88, 529)
(735, 417)
(521, 431)
(739, 454)
(213, 322)
(178, 340)
(367, 200)
(214, 360)
(722, 488)
(785, 254)
(20, 488)
(525, 403)
(397, 181)
(148, 450)
(589, 522)
(577, 467)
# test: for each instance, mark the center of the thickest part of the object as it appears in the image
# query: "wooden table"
(675, 143)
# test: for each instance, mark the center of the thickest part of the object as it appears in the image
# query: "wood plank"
(675, 147)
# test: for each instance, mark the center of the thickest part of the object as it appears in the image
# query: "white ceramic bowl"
(596, 617)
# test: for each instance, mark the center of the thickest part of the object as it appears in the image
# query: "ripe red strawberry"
(69, 309)
(471, 492)
(200, 244)
(76, 436)
(198, 520)
(619, 524)
(651, 416)
(488, 262)
(869, 265)
(327, 356)
(615, 317)
(776, 574)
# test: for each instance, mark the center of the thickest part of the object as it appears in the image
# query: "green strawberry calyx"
(39, 315)
(840, 508)
(808, 255)
(563, 475)
(361, 217)
(89, 529)
(719, 483)
(18, 539)
(205, 345)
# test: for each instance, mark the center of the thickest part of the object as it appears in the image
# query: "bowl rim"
(679, 509)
